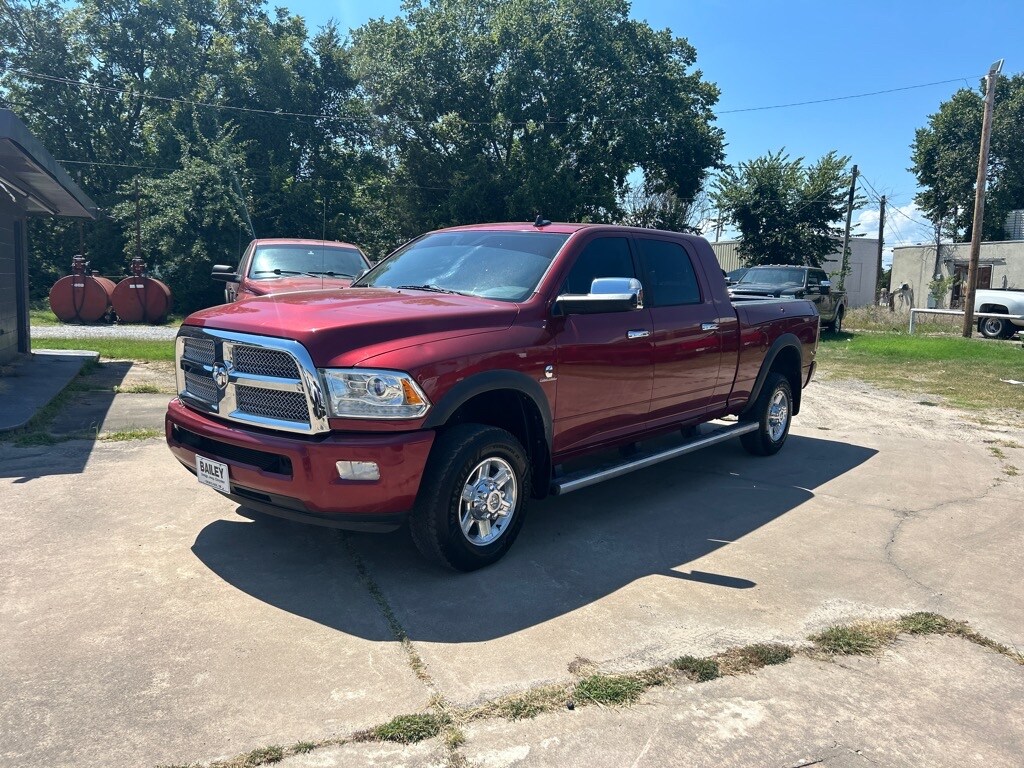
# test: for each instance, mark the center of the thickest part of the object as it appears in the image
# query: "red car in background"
(283, 265)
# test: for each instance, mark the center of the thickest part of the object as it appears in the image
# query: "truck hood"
(289, 284)
(332, 323)
(764, 289)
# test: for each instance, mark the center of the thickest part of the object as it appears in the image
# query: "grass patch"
(965, 372)
(302, 747)
(525, 705)
(616, 689)
(747, 658)
(264, 756)
(116, 349)
(125, 435)
(42, 316)
(925, 623)
(138, 389)
(880, 319)
(408, 729)
(699, 670)
(856, 639)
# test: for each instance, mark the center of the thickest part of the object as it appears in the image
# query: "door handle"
(709, 326)
(641, 334)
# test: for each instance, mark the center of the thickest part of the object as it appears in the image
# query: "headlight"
(361, 393)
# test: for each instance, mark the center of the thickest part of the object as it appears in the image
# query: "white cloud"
(904, 225)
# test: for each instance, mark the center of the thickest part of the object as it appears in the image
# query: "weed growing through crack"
(612, 690)
(264, 756)
(617, 689)
(700, 670)
(924, 623)
(408, 729)
(767, 654)
(851, 639)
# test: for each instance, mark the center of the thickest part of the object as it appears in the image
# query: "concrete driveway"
(143, 621)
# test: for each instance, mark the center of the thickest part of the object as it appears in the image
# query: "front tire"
(472, 500)
(773, 413)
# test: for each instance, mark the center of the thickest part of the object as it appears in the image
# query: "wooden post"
(846, 237)
(881, 243)
(979, 198)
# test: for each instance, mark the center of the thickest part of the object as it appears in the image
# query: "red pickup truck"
(477, 367)
(285, 264)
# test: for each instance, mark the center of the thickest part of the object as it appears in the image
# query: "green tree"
(500, 109)
(787, 213)
(945, 160)
(126, 90)
(192, 219)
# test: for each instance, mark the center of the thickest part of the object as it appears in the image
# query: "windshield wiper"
(328, 273)
(275, 272)
(431, 288)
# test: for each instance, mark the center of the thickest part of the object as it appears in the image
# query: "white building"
(1000, 265)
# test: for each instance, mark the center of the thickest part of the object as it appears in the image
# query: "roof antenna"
(541, 222)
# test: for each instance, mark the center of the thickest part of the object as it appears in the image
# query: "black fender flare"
(489, 381)
(781, 343)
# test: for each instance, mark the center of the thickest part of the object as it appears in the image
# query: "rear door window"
(670, 279)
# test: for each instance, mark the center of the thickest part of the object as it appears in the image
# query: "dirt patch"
(857, 406)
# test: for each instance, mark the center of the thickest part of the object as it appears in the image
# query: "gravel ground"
(146, 332)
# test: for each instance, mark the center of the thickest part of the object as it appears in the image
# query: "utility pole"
(881, 244)
(979, 198)
(846, 237)
(138, 222)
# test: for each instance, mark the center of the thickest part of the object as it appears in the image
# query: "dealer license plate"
(213, 473)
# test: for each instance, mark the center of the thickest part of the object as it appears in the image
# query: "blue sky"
(768, 53)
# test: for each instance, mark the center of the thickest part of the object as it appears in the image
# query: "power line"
(842, 98)
(365, 118)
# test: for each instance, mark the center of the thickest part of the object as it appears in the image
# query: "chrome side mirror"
(607, 294)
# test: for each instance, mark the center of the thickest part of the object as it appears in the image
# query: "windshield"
(273, 261)
(494, 265)
(774, 276)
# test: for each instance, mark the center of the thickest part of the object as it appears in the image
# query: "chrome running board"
(576, 480)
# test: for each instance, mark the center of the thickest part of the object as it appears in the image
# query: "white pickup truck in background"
(1003, 302)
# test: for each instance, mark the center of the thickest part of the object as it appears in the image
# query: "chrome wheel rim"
(488, 501)
(778, 415)
(993, 326)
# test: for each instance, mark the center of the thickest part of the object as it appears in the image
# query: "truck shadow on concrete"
(572, 551)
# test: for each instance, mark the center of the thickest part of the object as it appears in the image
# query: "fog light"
(358, 470)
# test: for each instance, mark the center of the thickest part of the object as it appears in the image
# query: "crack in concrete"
(451, 734)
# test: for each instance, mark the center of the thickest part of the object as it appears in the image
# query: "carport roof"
(36, 181)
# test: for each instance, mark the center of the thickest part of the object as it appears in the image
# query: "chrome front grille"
(272, 404)
(258, 380)
(263, 362)
(200, 385)
(201, 351)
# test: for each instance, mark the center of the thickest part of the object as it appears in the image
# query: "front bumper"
(295, 476)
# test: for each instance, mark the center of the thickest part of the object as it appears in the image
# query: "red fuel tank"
(81, 297)
(141, 299)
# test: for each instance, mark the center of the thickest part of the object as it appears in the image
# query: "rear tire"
(994, 327)
(472, 500)
(773, 413)
(836, 326)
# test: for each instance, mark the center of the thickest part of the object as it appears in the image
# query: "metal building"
(32, 183)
